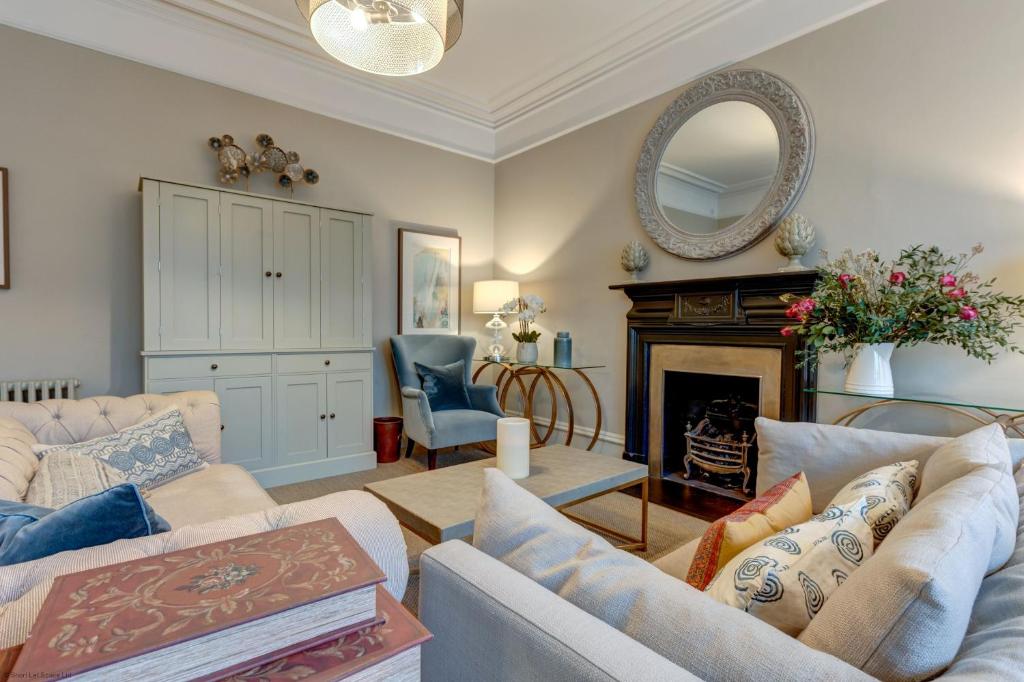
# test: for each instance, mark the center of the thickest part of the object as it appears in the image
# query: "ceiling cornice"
(281, 62)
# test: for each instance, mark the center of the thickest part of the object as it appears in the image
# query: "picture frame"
(429, 282)
(5, 232)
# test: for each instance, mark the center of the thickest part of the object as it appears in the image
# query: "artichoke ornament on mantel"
(634, 259)
(794, 239)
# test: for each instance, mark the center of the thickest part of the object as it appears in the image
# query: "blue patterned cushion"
(149, 454)
(30, 532)
(445, 386)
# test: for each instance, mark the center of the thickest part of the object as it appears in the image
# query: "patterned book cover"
(341, 657)
(106, 615)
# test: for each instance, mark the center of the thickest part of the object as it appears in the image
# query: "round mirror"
(718, 167)
(724, 163)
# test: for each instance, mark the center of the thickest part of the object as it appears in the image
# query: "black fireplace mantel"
(745, 310)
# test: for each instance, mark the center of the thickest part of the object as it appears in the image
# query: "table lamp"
(488, 297)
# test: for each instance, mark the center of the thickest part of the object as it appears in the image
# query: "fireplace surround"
(704, 358)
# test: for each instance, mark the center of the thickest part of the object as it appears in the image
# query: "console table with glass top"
(1010, 418)
(513, 372)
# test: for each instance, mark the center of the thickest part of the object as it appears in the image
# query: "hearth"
(705, 358)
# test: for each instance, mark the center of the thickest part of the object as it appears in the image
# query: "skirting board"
(581, 434)
(321, 468)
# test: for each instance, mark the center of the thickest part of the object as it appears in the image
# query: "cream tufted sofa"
(219, 502)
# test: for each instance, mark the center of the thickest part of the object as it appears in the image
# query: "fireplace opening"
(709, 439)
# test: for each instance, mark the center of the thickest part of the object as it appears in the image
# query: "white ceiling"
(524, 71)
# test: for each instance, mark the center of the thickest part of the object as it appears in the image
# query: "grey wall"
(920, 138)
(77, 128)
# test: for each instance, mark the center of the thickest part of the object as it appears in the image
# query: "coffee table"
(440, 505)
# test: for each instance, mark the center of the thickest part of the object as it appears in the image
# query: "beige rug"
(667, 529)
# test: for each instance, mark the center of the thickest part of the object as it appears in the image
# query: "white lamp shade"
(490, 295)
(385, 37)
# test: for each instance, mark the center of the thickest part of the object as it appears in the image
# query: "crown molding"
(663, 50)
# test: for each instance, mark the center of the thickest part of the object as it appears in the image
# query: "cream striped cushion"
(64, 477)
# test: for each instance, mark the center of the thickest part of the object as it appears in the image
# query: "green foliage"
(527, 337)
(922, 296)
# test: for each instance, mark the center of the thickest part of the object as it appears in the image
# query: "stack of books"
(304, 602)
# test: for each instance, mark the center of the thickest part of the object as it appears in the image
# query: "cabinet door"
(350, 413)
(301, 432)
(296, 276)
(247, 262)
(189, 268)
(344, 310)
(247, 414)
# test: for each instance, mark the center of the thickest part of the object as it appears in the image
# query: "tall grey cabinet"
(267, 302)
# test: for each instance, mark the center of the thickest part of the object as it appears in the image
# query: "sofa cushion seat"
(216, 492)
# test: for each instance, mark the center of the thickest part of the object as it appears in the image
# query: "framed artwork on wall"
(5, 233)
(429, 282)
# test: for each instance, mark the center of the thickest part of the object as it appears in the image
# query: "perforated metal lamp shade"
(385, 37)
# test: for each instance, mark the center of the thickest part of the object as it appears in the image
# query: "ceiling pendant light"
(385, 37)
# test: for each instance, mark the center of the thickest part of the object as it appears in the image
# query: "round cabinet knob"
(327, 362)
(332, 415)
(280, 275)
(268, 273)
(214, 366)
(323, 416)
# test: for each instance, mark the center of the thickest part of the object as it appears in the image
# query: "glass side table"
(1010, 418)
(513, 372)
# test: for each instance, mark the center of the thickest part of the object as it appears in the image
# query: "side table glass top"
(511, 362)
(923, 400)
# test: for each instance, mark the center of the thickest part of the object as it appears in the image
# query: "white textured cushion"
(785, 579)
(888, 490)
(64, 477)
(903, 614)
(665, 614)
(149, 454)
(18, 463)
(73, 421)
(830, 455)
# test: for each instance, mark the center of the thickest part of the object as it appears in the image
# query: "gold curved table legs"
(1009, 422)
(515, 373)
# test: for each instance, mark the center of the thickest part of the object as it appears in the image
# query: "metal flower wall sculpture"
(235, 163)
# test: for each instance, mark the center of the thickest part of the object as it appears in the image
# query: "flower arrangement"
(922, 296)
(526, 309)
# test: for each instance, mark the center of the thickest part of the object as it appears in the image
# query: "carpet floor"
(667, 529)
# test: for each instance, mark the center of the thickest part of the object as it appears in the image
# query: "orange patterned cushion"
(780, 507)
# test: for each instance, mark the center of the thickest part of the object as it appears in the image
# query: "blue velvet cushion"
(445, 386)
(29, 532)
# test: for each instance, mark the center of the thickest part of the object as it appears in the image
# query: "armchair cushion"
(454, 427)
(445, 385)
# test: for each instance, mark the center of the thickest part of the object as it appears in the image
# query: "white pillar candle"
(514, 447)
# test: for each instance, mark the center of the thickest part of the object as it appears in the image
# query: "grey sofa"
(442, 429)
(507, 627)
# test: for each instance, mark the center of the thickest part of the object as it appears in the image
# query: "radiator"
(29, 391)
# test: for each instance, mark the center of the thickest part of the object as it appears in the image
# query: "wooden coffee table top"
(440, 505)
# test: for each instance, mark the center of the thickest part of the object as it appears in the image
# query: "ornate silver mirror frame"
(796, 153)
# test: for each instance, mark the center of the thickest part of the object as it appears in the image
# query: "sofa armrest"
(419, 420)
(23, 587)
(484, 397)
(507, 627)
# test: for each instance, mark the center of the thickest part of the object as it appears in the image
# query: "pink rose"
(786, 331)
(968, 313)
(844, 280)
(898, 277)
(794, 311)
(947, 280)
(957, 293)
(807, 305)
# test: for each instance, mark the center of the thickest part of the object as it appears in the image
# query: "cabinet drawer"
(208, 366)
(324, 362)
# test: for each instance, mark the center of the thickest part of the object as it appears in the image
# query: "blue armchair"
(444, 428)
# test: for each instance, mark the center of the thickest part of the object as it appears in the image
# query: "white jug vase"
(870, 373)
